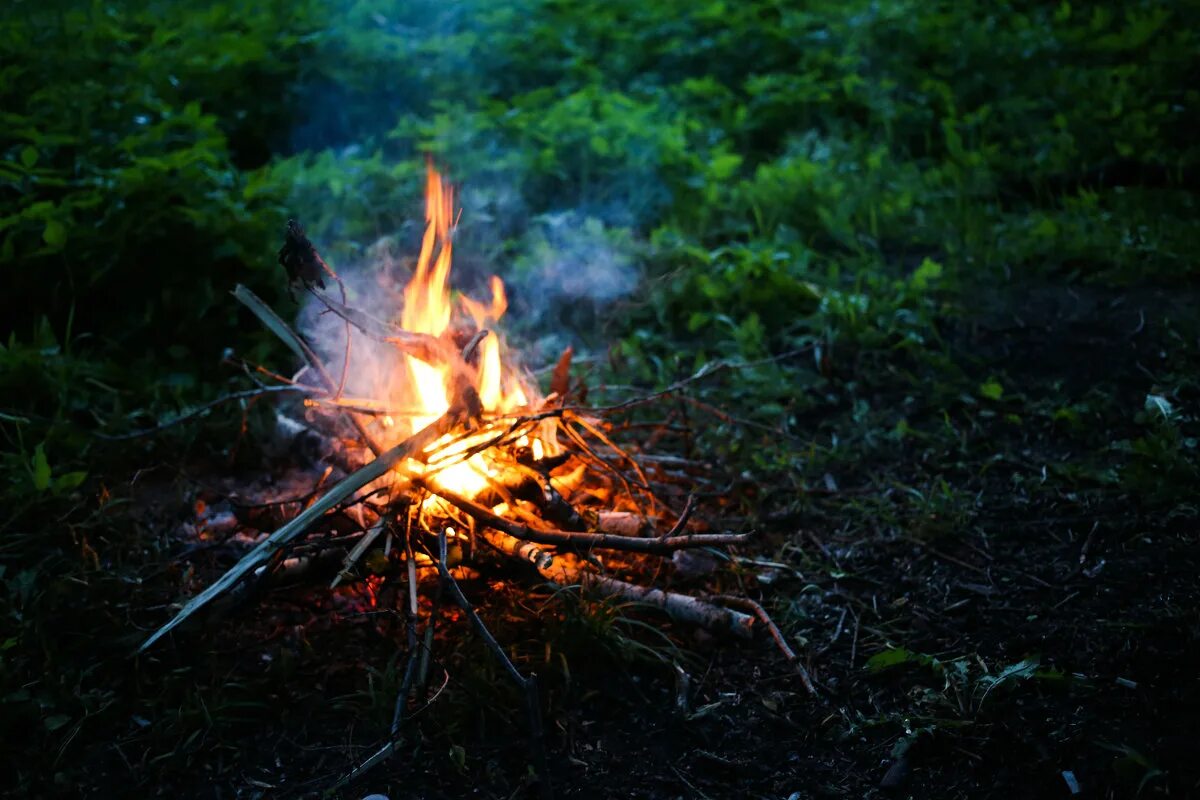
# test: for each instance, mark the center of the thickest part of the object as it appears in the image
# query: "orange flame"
(428, 310)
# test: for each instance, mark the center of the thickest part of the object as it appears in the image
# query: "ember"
(461, 453)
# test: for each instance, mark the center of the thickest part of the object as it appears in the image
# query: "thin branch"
(754, 607)
(688, 509)
(420, 346)
(708, 370)
(527, 685)
(631, 544)
(243, 395)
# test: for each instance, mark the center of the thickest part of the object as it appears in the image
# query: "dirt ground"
(1001, 608)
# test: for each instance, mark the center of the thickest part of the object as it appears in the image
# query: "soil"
(1040, 620)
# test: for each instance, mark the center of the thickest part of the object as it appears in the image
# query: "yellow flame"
(427, 310)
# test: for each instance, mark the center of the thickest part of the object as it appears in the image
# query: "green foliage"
(899, 656)
(1162, 463)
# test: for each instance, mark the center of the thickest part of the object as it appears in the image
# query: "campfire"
(454, 455)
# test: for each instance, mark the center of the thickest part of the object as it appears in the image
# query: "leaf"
(1022, 670)
(890, 658)
(55, 722)
(927, 273)
(29, 156)
(1156, 402)
(991, 389)
(68, 481)
(55, 233)
(41, 469)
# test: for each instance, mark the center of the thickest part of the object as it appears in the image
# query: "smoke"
(376, 368)
(567, 250)
(577, 258)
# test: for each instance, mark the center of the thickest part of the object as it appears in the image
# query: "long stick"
(631, 544)
(259, 392)
(753, 606)
(420, 346)
(680, 607)
(563, 571)
(412, 447)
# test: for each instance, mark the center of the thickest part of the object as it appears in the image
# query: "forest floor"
(990, 609)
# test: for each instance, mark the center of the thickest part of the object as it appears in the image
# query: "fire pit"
(455, 453)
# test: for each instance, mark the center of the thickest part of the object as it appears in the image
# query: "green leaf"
(55, 233)
(991, 389)
(458, 756)
(29, 156)
(1045, 229)
(723, 166)
(41, 469)
(890, 658)
(928, 272)
(68, 481)
(1020, 671)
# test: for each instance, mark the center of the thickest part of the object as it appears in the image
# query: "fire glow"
(429, 310)
(449, 442)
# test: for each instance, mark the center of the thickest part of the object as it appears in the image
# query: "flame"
(428, 310)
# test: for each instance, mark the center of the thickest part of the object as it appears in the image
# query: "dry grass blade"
(413, 447)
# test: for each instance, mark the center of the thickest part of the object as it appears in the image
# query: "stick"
(208, 407)
(281, 329)
(361, 547)
(565, 571)
(469, 348)
(527, 685)
(688, 509)
(630, 544)
(680, 607)
(625, 523)
(711, 368)
(410, 668)
(745, 603)
(412, 447)
(420, 346)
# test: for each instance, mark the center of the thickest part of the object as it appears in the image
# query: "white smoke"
(573, 258)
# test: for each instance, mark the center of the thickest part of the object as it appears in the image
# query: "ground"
(983, 614)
